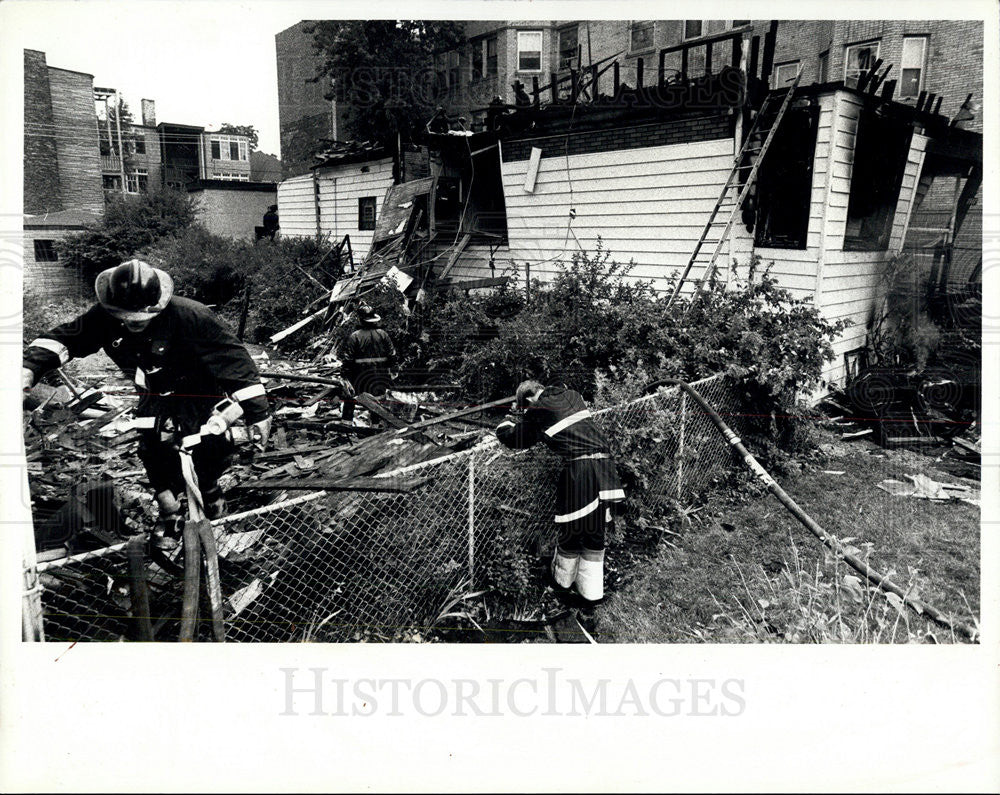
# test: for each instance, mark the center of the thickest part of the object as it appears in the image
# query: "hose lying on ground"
(873, 576)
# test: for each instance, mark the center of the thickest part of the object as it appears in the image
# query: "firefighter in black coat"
(187, 367)
(367, 356)
(588, 485)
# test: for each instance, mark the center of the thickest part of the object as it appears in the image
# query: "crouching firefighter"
(187, 368)
(588, 485)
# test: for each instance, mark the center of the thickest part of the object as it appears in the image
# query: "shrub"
(130, 223)
(215, 270)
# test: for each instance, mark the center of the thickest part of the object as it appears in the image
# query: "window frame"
(823, 67)
(491, 70)
(565, 66)
(777, 69)
(847, 57)
(922, 69)
(46, 249)
(637, 24)
(698, 35)
(477, 59)
(215, 149)
(540, 50)
(363, 202)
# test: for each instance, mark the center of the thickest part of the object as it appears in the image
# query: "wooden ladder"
(750, 147)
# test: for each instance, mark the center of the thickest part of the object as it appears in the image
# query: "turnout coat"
(561, 420)
(183, 363)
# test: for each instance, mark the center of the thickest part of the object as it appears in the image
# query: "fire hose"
(872, 575)
(199, 538)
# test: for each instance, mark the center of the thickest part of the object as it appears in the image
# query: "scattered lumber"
(455, 415)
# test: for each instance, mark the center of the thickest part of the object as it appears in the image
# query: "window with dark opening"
(366, 213)
(140, 145)
(478, 53)
(692, 28)
(216, 150)
(491, 56)
(784, 182)
(568, 44)
(881, 146)
(45, 251)
(234, 150)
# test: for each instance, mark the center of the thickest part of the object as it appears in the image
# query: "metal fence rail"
(344, 566)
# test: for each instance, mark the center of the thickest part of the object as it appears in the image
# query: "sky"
(204, 63)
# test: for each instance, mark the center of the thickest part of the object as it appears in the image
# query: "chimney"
(149, 113)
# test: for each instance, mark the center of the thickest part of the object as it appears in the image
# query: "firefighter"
(588, 485)
(367, 356)
(187, 367)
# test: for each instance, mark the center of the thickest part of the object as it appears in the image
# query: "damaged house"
(642, 168)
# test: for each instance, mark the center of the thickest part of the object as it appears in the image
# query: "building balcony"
(111, 164)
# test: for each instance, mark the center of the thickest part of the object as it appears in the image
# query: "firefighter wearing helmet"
(183, 361)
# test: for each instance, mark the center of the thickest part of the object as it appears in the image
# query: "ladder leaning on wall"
(751, 146)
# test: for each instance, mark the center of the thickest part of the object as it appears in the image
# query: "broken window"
(45, 251)
(642, 36)
(912, 66)
(880, 150)
(366, 213)
(784, 181)
(859, 58)
(529, 51)
(568, 47)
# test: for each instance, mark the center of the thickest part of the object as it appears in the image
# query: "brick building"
(62, 169)
(304, 114)
(62, 165)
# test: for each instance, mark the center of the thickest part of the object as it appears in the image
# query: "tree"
(241, 129)
(383, 72)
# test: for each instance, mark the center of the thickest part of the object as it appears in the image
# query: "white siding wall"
(296, 207)
(648, 204)
(848, 282)
(340, 188)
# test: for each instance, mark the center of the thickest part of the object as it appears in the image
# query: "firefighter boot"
(564, 566)
(215, 503)
(590, 575)
(168, 526)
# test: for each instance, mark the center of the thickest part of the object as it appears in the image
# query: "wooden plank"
(455, 254)
(457, 414)
(369, 402)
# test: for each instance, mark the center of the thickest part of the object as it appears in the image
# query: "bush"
(130, 223)
(215, 270)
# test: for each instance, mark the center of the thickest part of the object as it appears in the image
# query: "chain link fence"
(350, 566)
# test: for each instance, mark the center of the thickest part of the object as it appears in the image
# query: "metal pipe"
(872, 575)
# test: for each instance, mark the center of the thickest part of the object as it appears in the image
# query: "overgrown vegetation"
(130, 223)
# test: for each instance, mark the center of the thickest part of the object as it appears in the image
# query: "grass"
(745, 570)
